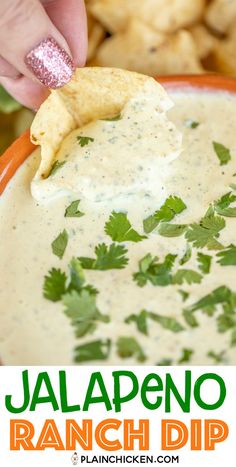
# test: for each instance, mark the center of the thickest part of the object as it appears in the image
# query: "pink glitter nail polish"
(51, 64)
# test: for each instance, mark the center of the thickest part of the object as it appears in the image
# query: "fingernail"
(51, 64)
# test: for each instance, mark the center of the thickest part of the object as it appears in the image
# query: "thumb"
(32, 44)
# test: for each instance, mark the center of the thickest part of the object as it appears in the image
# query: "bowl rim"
(22, 148)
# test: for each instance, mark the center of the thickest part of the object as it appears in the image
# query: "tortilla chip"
(204, 40)
(150, 52)
(221, 14)
(224, 55)
(92, 94)
(164, 15)
(96, 34)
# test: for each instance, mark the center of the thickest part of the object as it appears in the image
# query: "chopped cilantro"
(95, 350)
(187, 275)
(73, 211)
(171, 230)
(153, 271)
(222, 206)
(128, 347)
(57, 284)
(171, 207)
(222, 153)
(59, 244)
(217, 357)
(190, 318)
(54, 285)
(205, 233)
(227, 257)
(120, 230)
(112, 257)
(226, 320)
(149, 224)
(204, 262)
(81, 309)
(220, 295)
(77, 278)
(186, 356)
(165, 362)
(84, 140)
(113, 119)
(55, 167)
(186, 257)
(183, 294)
(140, 320)
(189, 123)
(166, 322)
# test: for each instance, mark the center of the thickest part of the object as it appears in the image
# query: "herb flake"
(222, 152)
(59, 244)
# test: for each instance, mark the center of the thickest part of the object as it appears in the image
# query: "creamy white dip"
(34, 330)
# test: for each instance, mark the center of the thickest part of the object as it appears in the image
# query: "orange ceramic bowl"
(22, 148)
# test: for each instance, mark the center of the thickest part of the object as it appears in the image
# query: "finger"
(26, 91)
(6, 69)
(69, 16)
(34, 45)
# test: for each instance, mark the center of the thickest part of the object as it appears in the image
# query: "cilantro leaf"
(206, 232)
(227, 257)
(186, 356)
(55, 167)
(166, 322)
(183, 294)
(186, 257)
(227, 321)
(140, 320)
(171, 230)
(95, 350)
(59, 244)
(128, 347)
(171, 207)
(81, 308)
(220, 295)
(165, 362)
(222, 206)
(222, 153)
(189, 123)
(190, 318)
(84, 140)
(77, 278)
(54, 285)
(120, 230)
(217, 357)
(153, 271)
(113, 119)
(187, 275)
(112, 257)
(73, 211)
(204, 262)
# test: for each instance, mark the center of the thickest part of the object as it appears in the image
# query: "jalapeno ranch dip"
(122, 250)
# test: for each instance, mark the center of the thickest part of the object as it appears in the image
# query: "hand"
(41, 42)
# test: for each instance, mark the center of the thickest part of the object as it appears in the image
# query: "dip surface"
(34, 330)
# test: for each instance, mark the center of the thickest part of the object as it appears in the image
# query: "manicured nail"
(51, 64)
